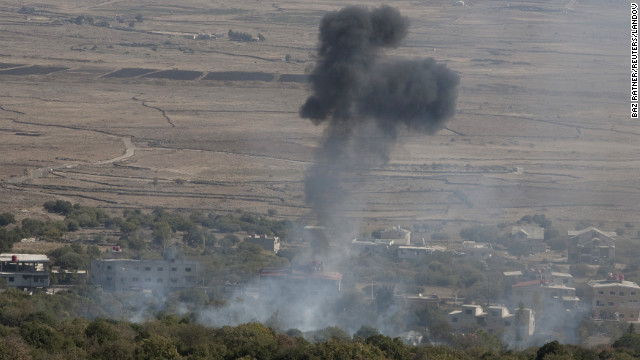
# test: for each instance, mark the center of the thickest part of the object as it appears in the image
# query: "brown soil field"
(123, 116)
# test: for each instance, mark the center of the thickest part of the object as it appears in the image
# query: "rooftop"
(532, 232)
(24, 258)
(512, 273)
(526, 283)
(559, 274)
(609, 283)
(611, 234)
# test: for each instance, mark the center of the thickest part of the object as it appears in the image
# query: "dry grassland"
(542, 123)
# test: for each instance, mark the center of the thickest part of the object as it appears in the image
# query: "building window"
(11, 279)
(187, 269)
(109, 278)
(122, 279)
(174, 269)
(621, 293)
(159, 280)
(621, 316)
(148, 268)
(108, 267)
(633, 293)
(468, 311)
(147, 280)
(160, 268)
(507, 323)
(631, 316)
(610, 303)
(612, 292)
(455, 319)
(134, 279)
(600, 292)
(599, 303)
(174, 280)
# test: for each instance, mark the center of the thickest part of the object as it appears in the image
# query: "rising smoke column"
(366, 98)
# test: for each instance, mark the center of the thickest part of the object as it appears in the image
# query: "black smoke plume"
(367, 98)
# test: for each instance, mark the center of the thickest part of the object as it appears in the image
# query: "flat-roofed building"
(25, 271)
(271, 244)
(143, 275)
(614, 299)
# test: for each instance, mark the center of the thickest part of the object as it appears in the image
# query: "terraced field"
(542, 123)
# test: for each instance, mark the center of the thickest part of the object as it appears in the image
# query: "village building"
(271, 244)
(417, 252)
(497, 319)
(614, 298)
(543, 296)
(25, 271)
(479, 251)
(359, 246)
(301, 280)
(591, 246)
(531, 237)
(396, 235)
(157, 276)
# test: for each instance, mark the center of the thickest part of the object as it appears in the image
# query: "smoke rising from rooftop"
(367, 98)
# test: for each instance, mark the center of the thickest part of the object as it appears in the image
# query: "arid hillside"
(144, 104)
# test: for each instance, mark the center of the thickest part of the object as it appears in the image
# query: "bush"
(239, 36)
(6, 219)
(58, 206)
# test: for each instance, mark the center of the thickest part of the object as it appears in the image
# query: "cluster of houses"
(534, 293)
(533, 296)
(590, 245)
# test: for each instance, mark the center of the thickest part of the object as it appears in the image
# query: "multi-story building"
(591, 246)
(25, 271)
(542, 295)
(157, 276)
(614, 298)
(469, 315)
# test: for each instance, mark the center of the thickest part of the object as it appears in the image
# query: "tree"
(162, 233)
(6, 219)
(157, 348)
(366, 331)
(58, 206)
(553, 347)
(195, 237)
(384, 298)
(629, 342)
